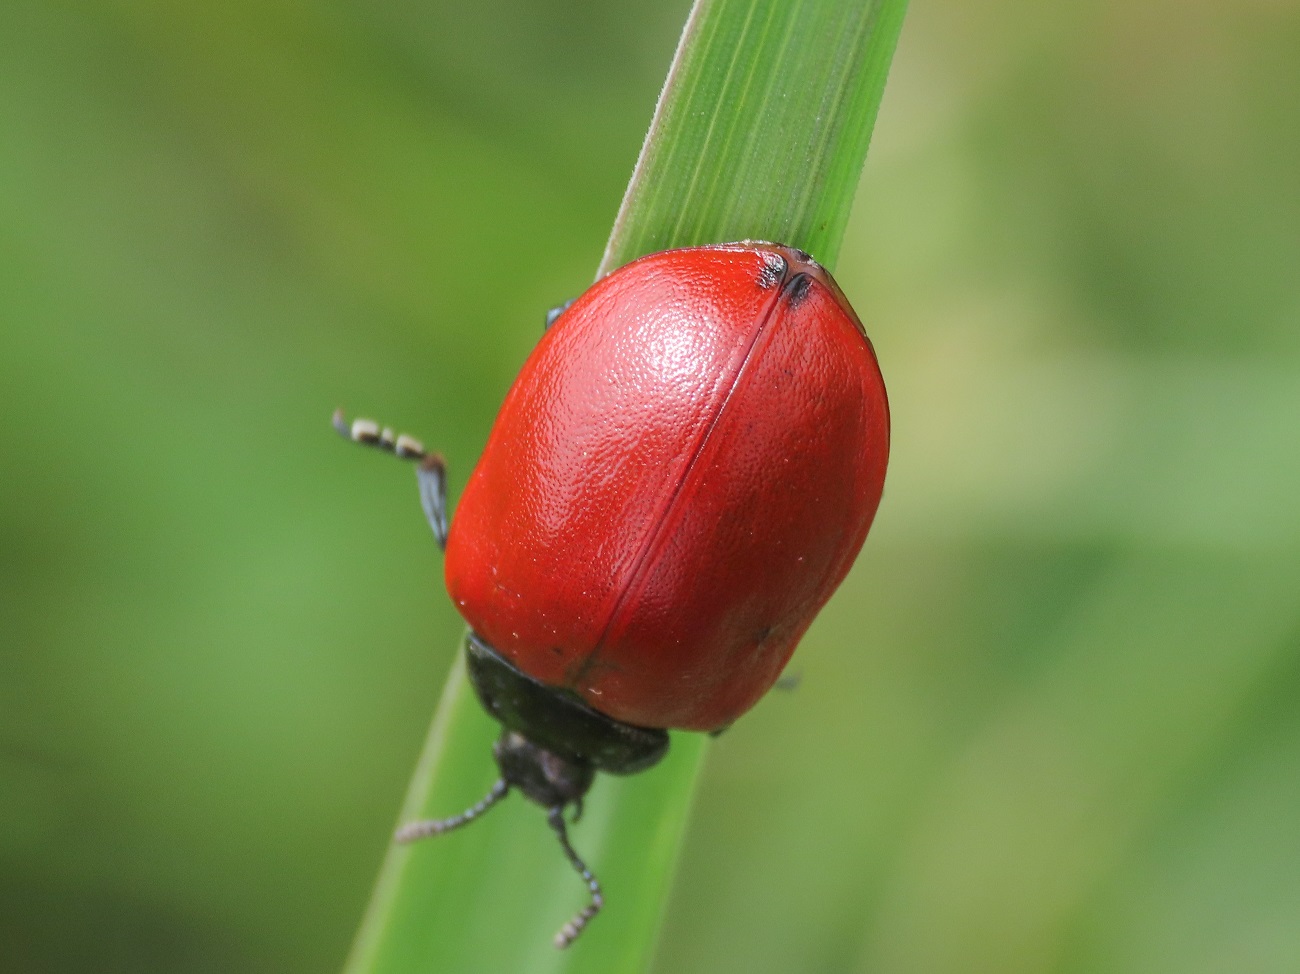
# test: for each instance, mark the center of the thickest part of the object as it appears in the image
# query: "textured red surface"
(679, 478)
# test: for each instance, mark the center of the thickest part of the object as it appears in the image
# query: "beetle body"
(679, 478)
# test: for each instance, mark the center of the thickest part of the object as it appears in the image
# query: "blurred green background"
(1050, 723)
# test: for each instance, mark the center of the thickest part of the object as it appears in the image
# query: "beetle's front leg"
(430, 470)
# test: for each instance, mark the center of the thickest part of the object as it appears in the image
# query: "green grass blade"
(760, 132)
(762, 127)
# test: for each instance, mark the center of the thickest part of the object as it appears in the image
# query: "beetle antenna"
(431, 471)
(413, 831)
(568, 933)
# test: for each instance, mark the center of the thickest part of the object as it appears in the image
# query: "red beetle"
(678, 480)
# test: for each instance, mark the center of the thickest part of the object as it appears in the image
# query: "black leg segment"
(568, 933)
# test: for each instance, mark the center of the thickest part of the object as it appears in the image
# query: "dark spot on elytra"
(774, 268)
(797, 288)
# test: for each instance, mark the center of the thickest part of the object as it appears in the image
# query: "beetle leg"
(431, 475)
(568, 933)
(789, 682)
(430, 471)
(555, 313)
(413, 831)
